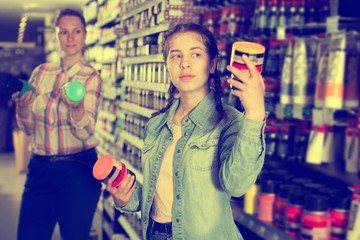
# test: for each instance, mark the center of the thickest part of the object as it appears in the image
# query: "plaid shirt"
(55, 131)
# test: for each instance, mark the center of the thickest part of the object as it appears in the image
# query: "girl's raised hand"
(250, 89)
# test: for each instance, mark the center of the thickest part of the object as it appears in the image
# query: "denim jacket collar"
(199, 116)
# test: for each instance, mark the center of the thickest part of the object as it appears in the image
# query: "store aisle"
(11, 186)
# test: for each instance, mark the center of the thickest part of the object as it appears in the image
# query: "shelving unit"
(128, 228)
(116, 99)
(118, 141)
(262, 229)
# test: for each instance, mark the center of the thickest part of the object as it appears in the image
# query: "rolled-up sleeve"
(241, 153)
(134, 204)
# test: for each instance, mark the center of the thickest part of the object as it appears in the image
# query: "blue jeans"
(61, 191)
(156, 235)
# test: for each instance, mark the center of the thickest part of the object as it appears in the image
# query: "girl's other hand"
(123, 192)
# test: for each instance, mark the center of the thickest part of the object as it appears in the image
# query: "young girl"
(198, 152)
(59, 185)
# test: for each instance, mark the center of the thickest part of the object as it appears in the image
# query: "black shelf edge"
(324, 173)
(262, 229)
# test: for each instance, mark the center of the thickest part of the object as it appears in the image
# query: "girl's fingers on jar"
(238, 74)
(128, 182)
(236, 84)
(251, 66)
(132, 189)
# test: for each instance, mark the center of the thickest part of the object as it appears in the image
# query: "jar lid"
(249, 47)
(268, 186)
(14, 85)
(75, 91)
(284, 189)
(316, 203)
(297, 197)
(103, 167)
(341, 201)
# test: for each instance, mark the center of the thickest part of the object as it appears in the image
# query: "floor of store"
(11, 187)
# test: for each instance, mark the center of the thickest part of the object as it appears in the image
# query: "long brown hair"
(212, 50)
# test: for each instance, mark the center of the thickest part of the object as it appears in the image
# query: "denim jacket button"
(178, 196)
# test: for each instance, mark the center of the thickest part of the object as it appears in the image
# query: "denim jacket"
(211, 163)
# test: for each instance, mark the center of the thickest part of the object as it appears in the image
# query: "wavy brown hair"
(212, 50)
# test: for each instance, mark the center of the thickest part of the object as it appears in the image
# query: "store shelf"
(101, 151)
(145, 112)
(143, 59)
(332, 171)
(128, 228)
(107, 40)
(336, 23)
(100, 205)
(140, 8)
(262, 229)
(108, 136)
(105, 22)
(108, 229)
(109, 209)
(92, 42)
(137, 142)
(107, 115)
(158, 87)
(108, 61)
(148, 31)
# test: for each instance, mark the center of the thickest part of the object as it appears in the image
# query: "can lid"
(249, 47)
(15, 85)
(316, 203)
(269, 186)
(341, 201)
(297, 197)
(300, 181)
(75, 91)
(103, 167)
(285, 189)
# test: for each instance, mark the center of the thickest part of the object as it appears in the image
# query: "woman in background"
(59, 185)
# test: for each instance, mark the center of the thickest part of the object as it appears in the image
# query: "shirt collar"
(73, 69)
(204, 110)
